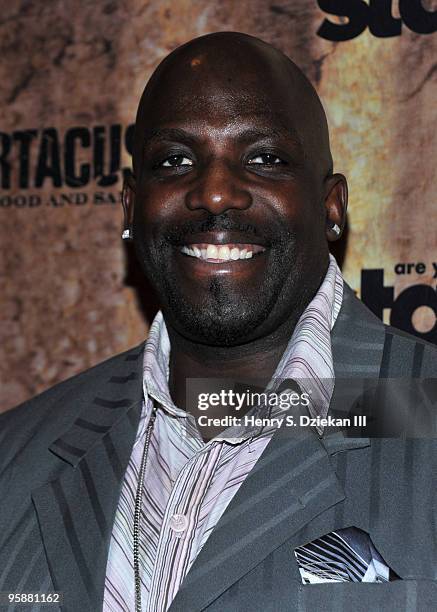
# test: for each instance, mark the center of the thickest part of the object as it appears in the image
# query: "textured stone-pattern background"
(65, 301)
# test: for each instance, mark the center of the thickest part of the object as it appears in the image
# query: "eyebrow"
(166, 134)
(252, 134)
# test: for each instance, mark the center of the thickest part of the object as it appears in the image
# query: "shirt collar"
(156, 367)
(307, 358)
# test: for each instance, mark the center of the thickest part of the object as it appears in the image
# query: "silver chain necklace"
(137, 513)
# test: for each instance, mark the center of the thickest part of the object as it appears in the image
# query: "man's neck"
(251, 363)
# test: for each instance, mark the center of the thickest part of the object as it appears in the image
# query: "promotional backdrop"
(71, 74)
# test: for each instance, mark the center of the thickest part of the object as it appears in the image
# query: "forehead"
(219, 108)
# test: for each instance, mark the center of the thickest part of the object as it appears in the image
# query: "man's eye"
(265, 159)
(175, 161)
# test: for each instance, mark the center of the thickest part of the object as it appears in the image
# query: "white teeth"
(223, 253)
(211, 251)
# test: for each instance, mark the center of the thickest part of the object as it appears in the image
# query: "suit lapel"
(76, 510)
(294, 481)
(360, 354)
(357, 339)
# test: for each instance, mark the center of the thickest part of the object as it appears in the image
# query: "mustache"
(179, 233)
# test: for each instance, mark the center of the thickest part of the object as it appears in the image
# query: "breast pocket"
(397, 596)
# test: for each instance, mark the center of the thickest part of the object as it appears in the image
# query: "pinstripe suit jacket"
(64, 453)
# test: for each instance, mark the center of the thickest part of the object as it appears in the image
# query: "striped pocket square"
(345, 555)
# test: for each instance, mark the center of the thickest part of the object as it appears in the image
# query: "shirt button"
(178, 522)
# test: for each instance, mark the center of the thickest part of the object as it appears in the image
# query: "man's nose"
(217, 189)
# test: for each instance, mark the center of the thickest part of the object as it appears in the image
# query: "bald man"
(271, 445)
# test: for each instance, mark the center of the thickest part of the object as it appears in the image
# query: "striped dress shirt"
(189, 482)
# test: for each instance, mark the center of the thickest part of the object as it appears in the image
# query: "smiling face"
(231, 213)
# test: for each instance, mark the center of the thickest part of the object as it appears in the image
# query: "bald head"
(238, 74)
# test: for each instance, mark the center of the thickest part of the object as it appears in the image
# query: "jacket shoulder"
(51, 408)
(402, 354)
(405, 348)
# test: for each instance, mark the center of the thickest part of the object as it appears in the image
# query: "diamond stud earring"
(335, 228)
(126, 234)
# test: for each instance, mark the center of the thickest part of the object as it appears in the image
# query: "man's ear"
(128, 202)
(336, 194)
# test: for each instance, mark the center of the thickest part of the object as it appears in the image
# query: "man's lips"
(221, 253)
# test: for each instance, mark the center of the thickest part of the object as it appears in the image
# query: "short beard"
(223, 318)
(219, 321)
